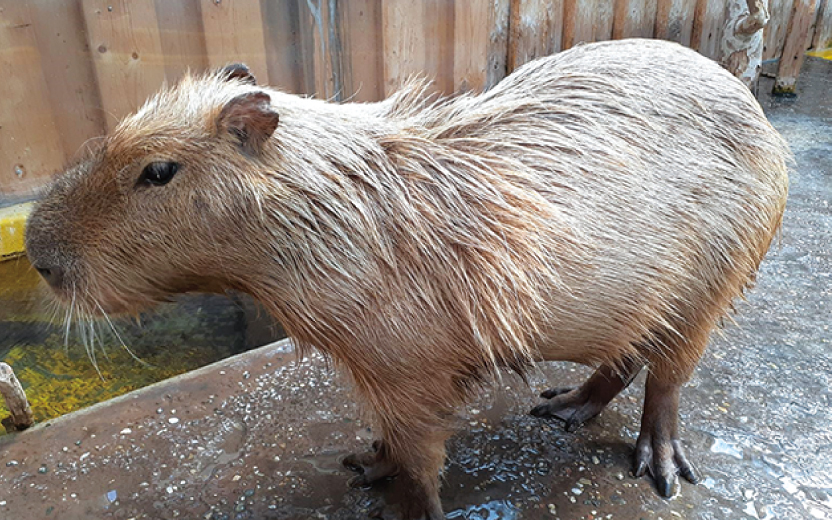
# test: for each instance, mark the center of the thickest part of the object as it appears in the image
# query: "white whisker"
(118, 336)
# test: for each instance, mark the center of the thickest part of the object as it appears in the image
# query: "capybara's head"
(162, 205)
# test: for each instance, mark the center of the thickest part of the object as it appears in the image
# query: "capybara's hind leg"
(575, 406)
(672, 361)
(658, 449)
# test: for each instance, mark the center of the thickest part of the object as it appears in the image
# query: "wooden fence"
(71, 68)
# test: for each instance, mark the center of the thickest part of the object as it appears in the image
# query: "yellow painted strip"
(823, 53)
(12, 227)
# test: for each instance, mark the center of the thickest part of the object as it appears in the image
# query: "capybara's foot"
(664, 458)
(573, 406)
(371, 466)
(658, 449)
(421, 501)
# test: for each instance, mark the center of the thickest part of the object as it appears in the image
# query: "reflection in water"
(55, 369)
(494, 510)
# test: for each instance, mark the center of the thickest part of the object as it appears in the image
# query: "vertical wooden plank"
(579, 20)
(315, 23)
(417, 40)
(283, 45)
(536, 29)
(674, 20)
(797, 41)
(708, 25)
(362, 50)
(124, 40)
(775, 32)
(498, 42)
(306, 40)
(30, 148)
(234, 33)
(471, 36)
(823, 28)
(65, 57)
(181, 36)
(634, 19)
(602, 28)
(439, 35)
(404, 46)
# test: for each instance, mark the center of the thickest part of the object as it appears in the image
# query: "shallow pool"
(65, 368)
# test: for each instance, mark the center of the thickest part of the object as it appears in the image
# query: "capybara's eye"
(158, 173)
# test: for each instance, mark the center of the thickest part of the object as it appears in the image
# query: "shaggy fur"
(601, 205)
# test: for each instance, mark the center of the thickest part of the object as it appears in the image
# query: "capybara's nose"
(53, 275)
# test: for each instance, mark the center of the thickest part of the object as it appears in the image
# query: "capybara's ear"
(250, 119)
(239, 71)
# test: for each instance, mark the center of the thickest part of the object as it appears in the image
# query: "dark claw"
(640, 469)
(359, 482)
(571, 424)
(665, 485)
(351, 463)
(689, 475)
(552, 392)
(539, 410)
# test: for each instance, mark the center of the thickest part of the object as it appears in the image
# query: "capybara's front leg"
(372, 465)
(658, 449)
(416, 460)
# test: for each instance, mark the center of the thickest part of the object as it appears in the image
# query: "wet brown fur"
(602, 204)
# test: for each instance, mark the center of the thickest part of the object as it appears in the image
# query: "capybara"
(603, 206)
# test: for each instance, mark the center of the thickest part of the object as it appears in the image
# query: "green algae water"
(55, 369)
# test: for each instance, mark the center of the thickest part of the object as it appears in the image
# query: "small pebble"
(42, 470)
(126, 431)
(173, 420)
(235, 478)
(11, 463)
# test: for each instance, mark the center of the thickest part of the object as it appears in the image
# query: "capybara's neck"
(373, 209)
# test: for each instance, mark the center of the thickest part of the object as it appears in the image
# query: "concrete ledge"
(12, 228)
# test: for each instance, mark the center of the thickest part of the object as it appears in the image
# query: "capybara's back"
(603, 206)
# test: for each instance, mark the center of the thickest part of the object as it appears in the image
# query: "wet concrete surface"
(259, 435)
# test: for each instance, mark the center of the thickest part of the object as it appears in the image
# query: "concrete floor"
(259, 435)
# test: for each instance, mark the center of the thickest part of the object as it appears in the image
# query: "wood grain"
(182, 37)
(536, 29)
(124, 39)
(798, 40)
(30, 147)
(68, 69)
(634, 19)
(234, 33)
(674, 20)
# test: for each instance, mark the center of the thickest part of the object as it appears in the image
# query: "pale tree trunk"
(742, 43)
(21, 413)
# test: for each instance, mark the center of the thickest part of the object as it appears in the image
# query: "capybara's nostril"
(54, 276)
